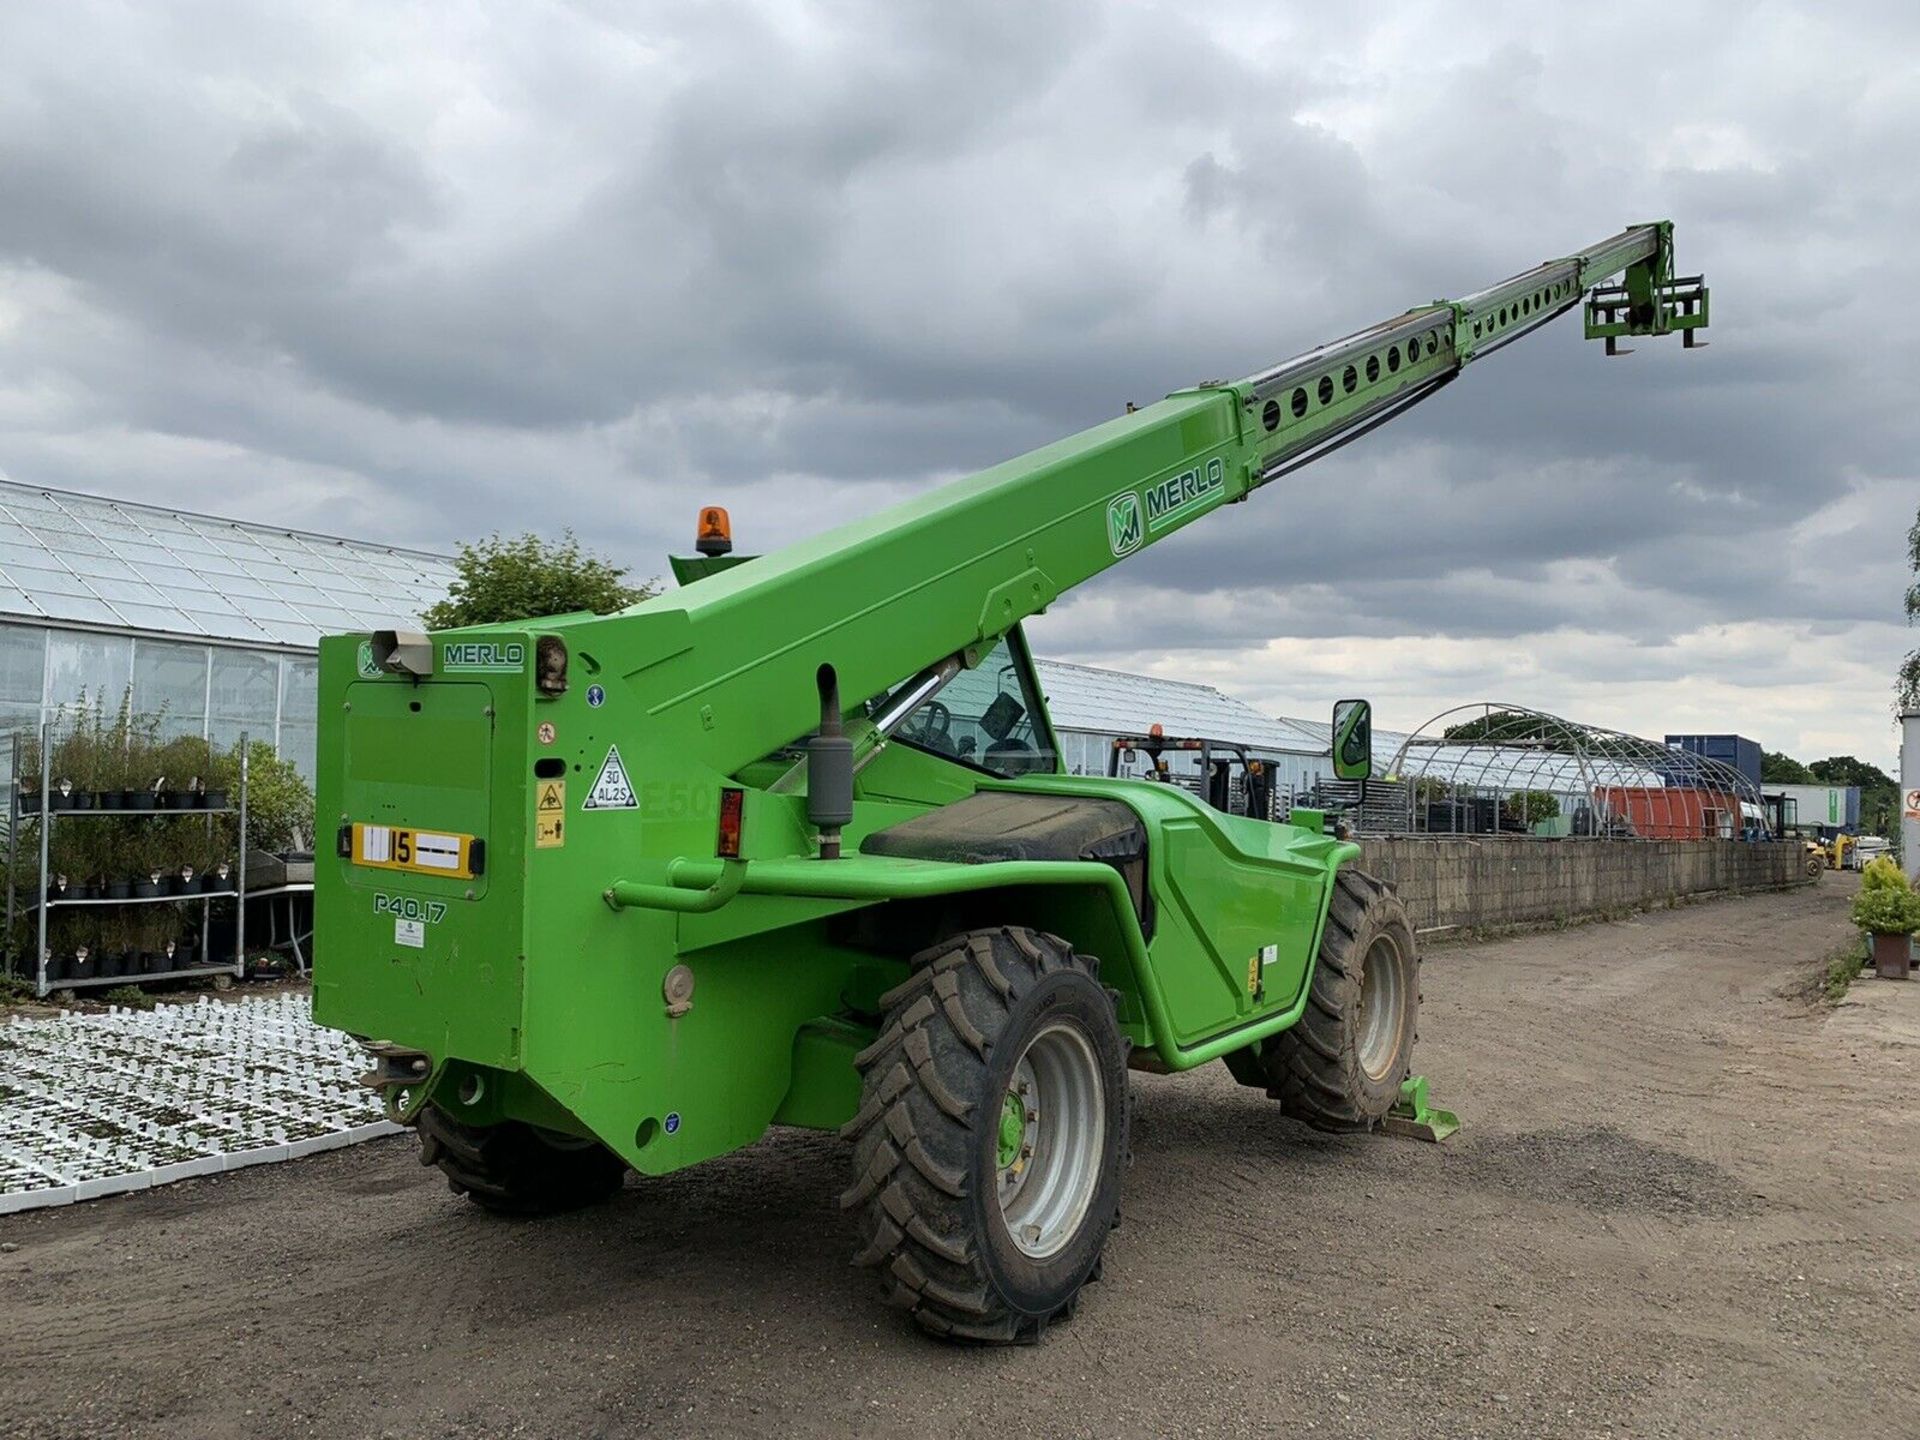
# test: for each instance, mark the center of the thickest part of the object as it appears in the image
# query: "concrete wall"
(1490, 881)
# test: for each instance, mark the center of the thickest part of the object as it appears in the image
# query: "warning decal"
(611, 788)
(548, 823)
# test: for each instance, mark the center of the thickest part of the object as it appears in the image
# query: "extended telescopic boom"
(925, 586)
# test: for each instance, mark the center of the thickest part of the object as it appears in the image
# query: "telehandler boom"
(790, 845)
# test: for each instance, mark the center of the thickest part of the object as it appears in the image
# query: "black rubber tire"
(1314, 1069)
(925, 1138)
(514, 1169)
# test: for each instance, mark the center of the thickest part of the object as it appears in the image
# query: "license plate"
(419, 852)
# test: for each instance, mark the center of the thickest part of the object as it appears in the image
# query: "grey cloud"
(596, 264)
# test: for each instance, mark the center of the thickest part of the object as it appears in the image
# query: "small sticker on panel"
(549, 832)
(672, 1123)
(596, 696)
(611, 788)
(546, 732)
(409, 932)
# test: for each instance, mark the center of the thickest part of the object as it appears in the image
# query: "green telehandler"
(791, 845)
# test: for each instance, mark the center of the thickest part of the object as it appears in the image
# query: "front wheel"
(1340, 1067)
(991, 1135)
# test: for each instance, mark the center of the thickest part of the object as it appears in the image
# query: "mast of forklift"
(927, 587)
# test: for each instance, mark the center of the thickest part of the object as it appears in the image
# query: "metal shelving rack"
(44, 820)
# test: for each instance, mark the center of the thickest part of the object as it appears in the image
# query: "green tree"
(1909, 685)
(1845, 770)
(1781, 769)
(522, 577)
(1529, 807)
(1501, 727)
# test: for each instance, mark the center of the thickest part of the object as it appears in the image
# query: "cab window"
(987, 717)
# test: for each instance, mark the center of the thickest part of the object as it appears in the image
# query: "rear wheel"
(1341, 1066)
(991, 1134)
(517, 1169)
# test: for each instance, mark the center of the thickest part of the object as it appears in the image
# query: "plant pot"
(117, 890)
(104, 799)
(57, 801)
(82, 891)
(80, 800)
(56, 969)
(144, 888)
(213, 800)
(1892, 956)
(131, 800)
(30, 801)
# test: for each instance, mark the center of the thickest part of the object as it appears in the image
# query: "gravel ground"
(1686, 1203)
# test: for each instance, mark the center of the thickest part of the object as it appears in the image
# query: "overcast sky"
(420, 272)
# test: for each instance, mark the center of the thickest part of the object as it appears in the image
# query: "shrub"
(131, 996)
(1886, 911)
(1883, 874)
(503, 579)
(279, 800)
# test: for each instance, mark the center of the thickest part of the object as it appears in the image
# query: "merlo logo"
(1123, 523)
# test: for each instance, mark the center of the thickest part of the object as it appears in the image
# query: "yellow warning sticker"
(549, 821)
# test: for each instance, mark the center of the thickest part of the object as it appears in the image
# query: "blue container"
(1735, 750)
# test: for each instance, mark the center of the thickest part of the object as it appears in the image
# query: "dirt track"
(1686, 1203)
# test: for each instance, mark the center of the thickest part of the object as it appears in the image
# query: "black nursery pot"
(30, 801)
(131, 800)
(82, 891)
(57, 801)
(56, 969)
(144, 889)
(80, 800)
(213, 800)
(118, 890)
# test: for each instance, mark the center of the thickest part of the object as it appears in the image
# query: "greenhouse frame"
(210, 624)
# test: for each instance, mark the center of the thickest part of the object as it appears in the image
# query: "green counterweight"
(576, 902)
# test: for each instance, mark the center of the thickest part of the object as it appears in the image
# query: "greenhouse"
(1489, 767)
(208, 625)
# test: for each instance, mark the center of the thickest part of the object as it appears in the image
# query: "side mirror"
(1352, 740)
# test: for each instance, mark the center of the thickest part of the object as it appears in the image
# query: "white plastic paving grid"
(93, 1105)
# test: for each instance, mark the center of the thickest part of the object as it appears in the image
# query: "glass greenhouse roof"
(88, 560)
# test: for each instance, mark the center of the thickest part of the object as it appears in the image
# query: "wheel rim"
(1380, 1005)
(1053, 1126)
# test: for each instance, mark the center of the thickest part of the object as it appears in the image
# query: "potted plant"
(147, 878)
(117, 861)
(26, 772)
(83, 755)
(183, 762)
(129, 768)
(1887, 909)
